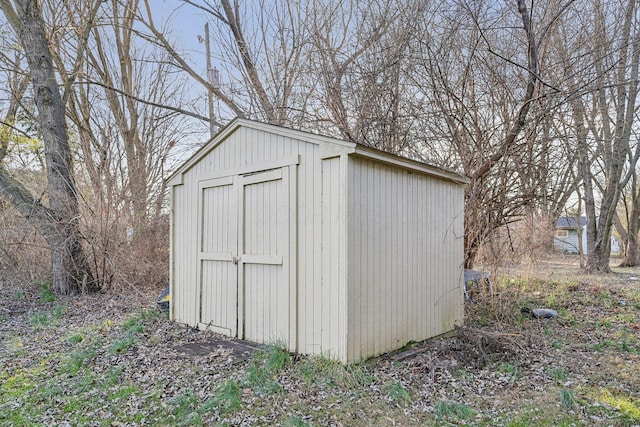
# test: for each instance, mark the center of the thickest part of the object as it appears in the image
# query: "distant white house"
(568, 234)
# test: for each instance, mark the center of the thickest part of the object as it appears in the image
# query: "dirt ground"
(114, 359)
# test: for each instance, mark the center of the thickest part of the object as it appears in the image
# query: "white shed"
(325, 246)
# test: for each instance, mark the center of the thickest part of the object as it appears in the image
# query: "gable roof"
(343, 146)
(569, 222)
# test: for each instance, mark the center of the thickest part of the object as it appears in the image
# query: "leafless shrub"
(144, 261)
(126, 261)
(24, 257)
(522, 242)
(476, 348)
(500, 305)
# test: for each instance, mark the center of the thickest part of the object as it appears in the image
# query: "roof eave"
(395, 160)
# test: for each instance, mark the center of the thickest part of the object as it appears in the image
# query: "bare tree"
(125, 115)
(615, 54)
(260, 47)
(58, 222)
(631, 208)
(480, 83)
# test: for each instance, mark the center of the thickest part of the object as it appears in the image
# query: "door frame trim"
(250, 168)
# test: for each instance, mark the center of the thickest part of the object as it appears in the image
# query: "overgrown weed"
(321, 370)
(263, 368)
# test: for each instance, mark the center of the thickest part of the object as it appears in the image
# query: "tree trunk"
(631, 252)
(631, 241)
(625, 101)
(622, 232)
(598, 259)
(59, 223)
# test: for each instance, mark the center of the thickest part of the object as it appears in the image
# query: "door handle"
(235, 260)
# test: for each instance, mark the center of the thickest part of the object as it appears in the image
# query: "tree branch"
(515, 130)
(84, 40)
(153, 104)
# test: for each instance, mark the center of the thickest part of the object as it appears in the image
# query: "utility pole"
(213, 77)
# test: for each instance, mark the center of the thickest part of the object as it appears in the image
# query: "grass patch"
(627, 348)
(508, 368)
(20, 400)
(264, 367)
(603, 344)
(398, 394)
(453, 411)
(463, 374)
(41, 318)
(184, 409)
(277, 358)
(114, 375)
(58, 312)
(18, 384)
(123, 393)
(131, 328)
(567, 399)
(559, 374)
(227, 398)
(323, 371)
(122, 344)
(133, 325)
(75, 338)
(74, 362)
(47, 318)
(257, 379)
(295, 421)
(46, 293)
(15, 346)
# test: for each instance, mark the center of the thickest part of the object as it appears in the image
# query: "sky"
(186, 25)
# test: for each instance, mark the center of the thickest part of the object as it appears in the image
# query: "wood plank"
(261, 259)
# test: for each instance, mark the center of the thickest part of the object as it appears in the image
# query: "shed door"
(217, 255)
(265, 247)
(246, 257)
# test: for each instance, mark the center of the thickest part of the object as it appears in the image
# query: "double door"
(245, 258)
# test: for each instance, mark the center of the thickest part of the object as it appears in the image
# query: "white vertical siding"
(405, 257)
(332, 292)
(570, 244)
(184, 301)
(309, 251)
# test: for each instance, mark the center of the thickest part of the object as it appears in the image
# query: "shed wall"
(183, 269)
(405, 257)
(333, 291)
